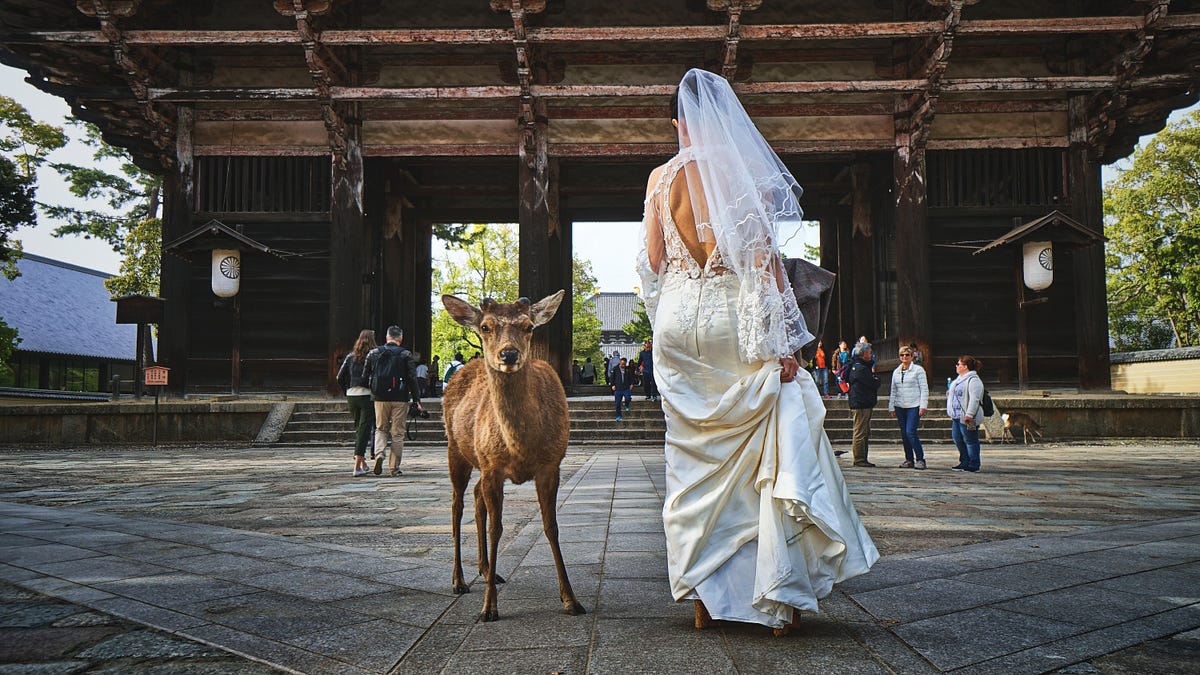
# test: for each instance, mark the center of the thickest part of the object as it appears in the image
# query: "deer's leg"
(547, 491)
(460, 475)
(493, 499)
(481, 520)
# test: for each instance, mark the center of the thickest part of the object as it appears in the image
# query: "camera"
(414, 411)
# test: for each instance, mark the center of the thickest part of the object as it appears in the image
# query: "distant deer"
(506, 415)
(1029, 426)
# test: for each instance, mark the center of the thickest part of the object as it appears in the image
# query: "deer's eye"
(485, 329)
(529, 329)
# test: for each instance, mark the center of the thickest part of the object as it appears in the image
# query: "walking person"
(357, 389)
(645, 364)
(864, 394)
(821, 371)
(842, 366)
(963, 406)
(757, 517)
(620, 379)
(393, 378)
(907, 402)
(422, 374)
(435, 376)
(588, 372)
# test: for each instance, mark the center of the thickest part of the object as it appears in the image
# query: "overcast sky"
(609, 246)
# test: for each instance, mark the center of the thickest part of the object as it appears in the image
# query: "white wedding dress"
(757, 517)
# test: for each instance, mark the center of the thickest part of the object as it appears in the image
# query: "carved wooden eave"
(593, 82)
(137, 65)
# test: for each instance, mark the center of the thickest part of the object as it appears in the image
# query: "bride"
(758, 519)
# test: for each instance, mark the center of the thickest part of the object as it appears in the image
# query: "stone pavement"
(1080, 558)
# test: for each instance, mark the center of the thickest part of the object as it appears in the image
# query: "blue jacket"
(864, 385)
(621, 380)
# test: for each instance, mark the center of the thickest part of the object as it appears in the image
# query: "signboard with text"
(157, 376)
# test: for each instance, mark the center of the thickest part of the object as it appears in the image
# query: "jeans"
(649, 385)
(909, 419)
(967, 441)
(622, 394)
(363, 412)
(821, 375)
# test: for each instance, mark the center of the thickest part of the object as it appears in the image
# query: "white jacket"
(910, 389)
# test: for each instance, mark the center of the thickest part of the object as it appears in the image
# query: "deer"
(1030, 429)
(505, 415)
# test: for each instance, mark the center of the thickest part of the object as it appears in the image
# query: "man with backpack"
(393, 378)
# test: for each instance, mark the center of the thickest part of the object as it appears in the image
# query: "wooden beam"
(658, 34)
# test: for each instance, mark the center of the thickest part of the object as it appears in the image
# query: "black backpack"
(387, 378)
(989, 408)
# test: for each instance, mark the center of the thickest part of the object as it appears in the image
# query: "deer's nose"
(509, 356)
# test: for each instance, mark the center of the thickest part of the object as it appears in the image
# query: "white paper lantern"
(1038, 265)
(226, 272)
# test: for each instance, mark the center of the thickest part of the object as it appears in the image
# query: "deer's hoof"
(573, 607)
(460, 588)
(780, 632)
(488, 615)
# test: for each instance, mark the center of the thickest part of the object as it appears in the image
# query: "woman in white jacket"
(963, 403)
(907, 403)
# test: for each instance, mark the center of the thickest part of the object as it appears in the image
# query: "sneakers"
(626, 406)
(906, 465)
(396, 472)
(360, 472)
(619, 418)
(378, 468)
(865, 464)
(919, 464)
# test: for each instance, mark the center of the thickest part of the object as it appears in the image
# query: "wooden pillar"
(416, 285)
(348, 256)
(914, 309)
(176, 272)
(845, 281)
(545, 252)
(1087, 264)
(829, 261)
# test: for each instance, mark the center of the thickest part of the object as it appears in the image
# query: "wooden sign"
(156, 376)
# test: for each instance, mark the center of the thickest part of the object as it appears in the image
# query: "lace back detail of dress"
(679, 258)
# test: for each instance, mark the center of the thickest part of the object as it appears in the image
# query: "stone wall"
(131, 423)
(1157, 371)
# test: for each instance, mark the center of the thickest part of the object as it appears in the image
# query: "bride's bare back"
(679, 201)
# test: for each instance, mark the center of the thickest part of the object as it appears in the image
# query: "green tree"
(639, 329)
(1152, 221)
(585, 325)
(490, 269)
(143, 261)
(16, 209)
(132, 196)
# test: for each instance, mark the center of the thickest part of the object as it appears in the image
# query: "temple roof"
(469, 78)
(59, 308)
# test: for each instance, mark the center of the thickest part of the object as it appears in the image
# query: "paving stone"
(635, 565)
(520, 661)
(175, 589)
(103, 568)
(928, 598)
(637, 541)
(33, 615)
(817, 645)
(315, 584)
(1032, 577)
(150, 615)
(45, 553)
(228, 566)
(286, 656)
(41, 644)
(86, 618)
(1165, 584)
(271, 548)
(52, 668)
(146, 644)
(374, 645)
(531, 623)
(579, 553)
(433, 651)
(403, 605)
(1114, 561)
(541, 581)
(1089, 605)
(668, 645)
(274, 616)
(960, 639)
(638, 598)
(889, 572)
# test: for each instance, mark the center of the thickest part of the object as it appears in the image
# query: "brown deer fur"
(506, 415)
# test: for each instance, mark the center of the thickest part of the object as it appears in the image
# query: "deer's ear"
(545, 308)
(462, 312)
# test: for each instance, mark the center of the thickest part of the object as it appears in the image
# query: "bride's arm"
(655, 248)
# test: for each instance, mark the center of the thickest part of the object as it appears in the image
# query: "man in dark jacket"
(386, 365)
(864, 393)
(620, 378)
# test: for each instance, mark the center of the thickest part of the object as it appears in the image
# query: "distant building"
(70, 340)
(614, 311)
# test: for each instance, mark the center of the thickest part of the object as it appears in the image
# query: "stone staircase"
(328, 422)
